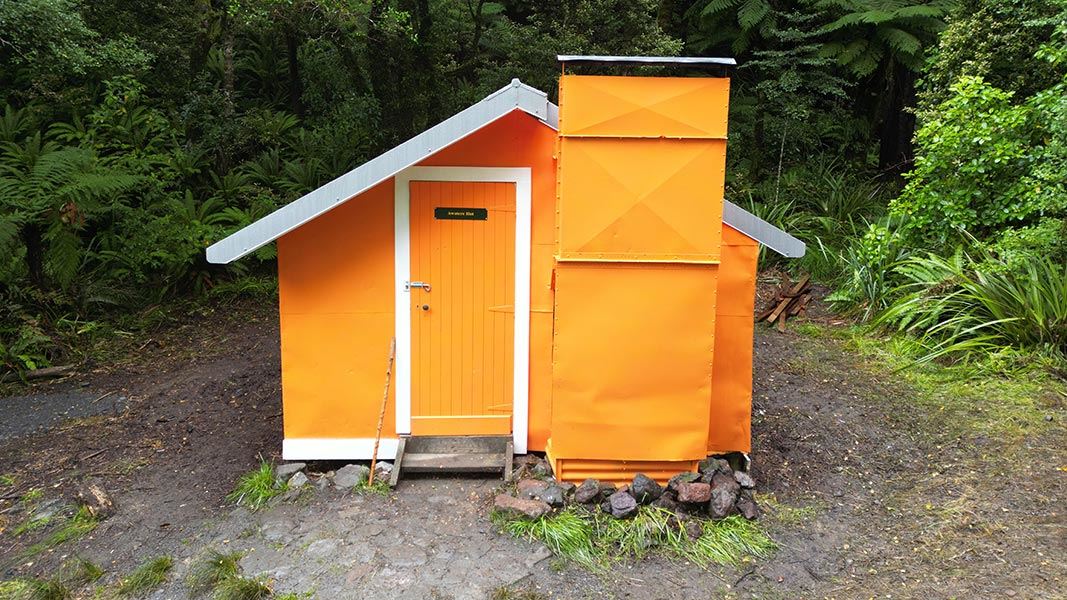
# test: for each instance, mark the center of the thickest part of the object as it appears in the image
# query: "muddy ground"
(866, 496)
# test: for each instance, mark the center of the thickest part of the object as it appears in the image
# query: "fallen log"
(33, 374)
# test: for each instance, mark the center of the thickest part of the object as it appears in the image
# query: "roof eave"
(515, 96)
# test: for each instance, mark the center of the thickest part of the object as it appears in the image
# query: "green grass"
(219, 574)
(34, 589)
(30, 525)
(784, 514)
(74, 528)
(150, 575)
(593, 539)
(80, 571)
(7, 480)
(567, 534)
(980, 398)
(256, 488)
(380, 487)
(32, 496)
(241, 588)
(211, 569)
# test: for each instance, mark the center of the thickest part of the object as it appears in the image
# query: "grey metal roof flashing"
(515, 96)
(691, 61)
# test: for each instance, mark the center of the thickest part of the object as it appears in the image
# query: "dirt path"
(869, 497)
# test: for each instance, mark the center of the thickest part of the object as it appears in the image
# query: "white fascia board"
(516, 96)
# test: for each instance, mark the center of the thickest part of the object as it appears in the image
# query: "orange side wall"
(336, 288)
(729, 426)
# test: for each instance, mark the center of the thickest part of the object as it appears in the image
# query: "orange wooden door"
(462, 329)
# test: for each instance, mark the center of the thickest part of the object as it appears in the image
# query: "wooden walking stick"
(381, 413)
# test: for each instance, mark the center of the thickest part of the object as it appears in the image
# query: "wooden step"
(455, 462)
(468, 444)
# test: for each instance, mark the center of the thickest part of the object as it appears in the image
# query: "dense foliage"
(133, 132)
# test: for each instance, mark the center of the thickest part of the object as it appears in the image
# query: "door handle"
(416, 284)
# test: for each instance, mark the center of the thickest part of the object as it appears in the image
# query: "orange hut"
(568, 278)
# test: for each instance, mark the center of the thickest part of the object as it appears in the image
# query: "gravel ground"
(873, 499)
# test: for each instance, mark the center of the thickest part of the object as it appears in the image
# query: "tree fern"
(897, 31)
(48, 194)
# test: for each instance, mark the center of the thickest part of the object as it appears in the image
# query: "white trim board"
(521, 177)
(337, 448)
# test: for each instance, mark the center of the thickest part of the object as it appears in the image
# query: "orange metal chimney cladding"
(639, 241)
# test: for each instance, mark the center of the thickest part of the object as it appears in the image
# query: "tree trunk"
(198, 55)
(227, 66)
(34, 242)
(895, 153)
(296, 89)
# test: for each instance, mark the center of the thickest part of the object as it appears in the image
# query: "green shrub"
(866, 275)
(987, 160)
(959, 308)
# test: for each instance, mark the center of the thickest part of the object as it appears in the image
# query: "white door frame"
(521, 177)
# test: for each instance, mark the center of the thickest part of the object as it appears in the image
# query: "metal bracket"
(416, 284)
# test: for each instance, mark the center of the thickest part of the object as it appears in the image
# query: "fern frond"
(63, 254)
(900, 40)
(752, 12)
(87, 188)
(715, 7)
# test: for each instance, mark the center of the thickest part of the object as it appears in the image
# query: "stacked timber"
(789, 301)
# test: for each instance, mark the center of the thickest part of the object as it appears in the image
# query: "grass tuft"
(32, 496)
(507, 593)
(80, 571)
(241, 588)
(7, 480)
(150, 575)
(211, 569)
(567, 534)
(74, 528)
(380, 487)
(784, 514)
(256, 488)
(34, 589)
(593, 539)
(31, 525)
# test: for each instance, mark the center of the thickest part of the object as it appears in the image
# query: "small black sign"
(461, 214)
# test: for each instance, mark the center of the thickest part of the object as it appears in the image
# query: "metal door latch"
(416, 284)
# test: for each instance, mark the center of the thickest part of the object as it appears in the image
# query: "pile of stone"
(297, 476)
(715, 491)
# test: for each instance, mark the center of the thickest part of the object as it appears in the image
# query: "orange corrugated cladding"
(639, 245)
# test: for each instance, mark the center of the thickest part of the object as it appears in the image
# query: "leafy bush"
(971, 173)
(959, 308)
(866, 281)
(987, 161)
